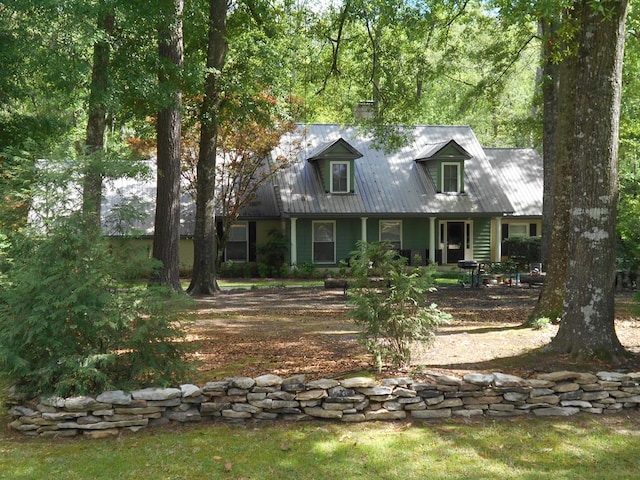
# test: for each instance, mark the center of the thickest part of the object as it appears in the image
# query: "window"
(324, 245)
(340, 177)
(451, 177)
(391, 231)
(518, 229)
(237, 248)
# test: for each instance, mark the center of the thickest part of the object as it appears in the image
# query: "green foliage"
(522, 248)
(389, 303)
(273, 252)
(72, 325)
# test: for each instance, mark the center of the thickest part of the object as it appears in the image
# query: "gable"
(444, 162)
(334, 161)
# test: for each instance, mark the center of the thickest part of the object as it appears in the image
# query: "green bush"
(71, 324)
(389, 303)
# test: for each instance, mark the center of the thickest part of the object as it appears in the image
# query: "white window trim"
(459, 182)
(246, 240)
(340, 162)
(313, 241)
(519, 224)
(394, 221)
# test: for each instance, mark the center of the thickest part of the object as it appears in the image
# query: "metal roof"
(141, 193)
(387, 183)
(520, 171)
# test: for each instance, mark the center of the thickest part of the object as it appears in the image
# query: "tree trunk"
(203, 281)
(166, 238)
(97, 122)
(587, 326)
(559, 118)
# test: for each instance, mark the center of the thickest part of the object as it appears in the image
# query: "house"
(439, 198)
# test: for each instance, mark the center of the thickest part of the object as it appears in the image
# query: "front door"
(456, 240)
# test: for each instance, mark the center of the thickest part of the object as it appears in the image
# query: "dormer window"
(444, 162)
(340, 177)
(451, 181)
(335, 164)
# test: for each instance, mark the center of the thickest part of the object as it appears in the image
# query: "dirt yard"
(307, 330)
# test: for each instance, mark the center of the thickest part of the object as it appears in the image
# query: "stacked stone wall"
(360, 399)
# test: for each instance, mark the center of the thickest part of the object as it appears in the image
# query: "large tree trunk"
(587, 326)
(204, 238)
(166, 238)
(97, 122)
(559, 118)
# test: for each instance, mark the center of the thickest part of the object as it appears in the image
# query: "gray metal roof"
(388, 183)
(520, 171)
(141, 193)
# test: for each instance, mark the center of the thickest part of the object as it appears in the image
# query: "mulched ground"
(291, 330)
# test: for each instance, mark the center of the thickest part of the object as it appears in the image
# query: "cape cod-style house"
(441, 198)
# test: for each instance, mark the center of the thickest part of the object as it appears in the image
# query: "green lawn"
(584, 447)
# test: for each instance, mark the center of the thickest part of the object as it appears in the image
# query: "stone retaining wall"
(360, 399)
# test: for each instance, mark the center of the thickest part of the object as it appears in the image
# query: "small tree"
(71, 323)
(389, 303)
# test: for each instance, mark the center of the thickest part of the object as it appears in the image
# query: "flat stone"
(467, 412)
(358, 382)
(322, 413)
(576, 403)
(268, 381)
(323, 384)
(191, 415)
(114, 397)
(235, 414)
(104, 425)
(57, 402)
(564, 375)
(354, 417)
(311, 395)
(382, 414)
(427, 414)
(243, 383)
(376, 391)
(481, 379)
(448, 380)
(19, 411)
(57, 416)
(566, 387)
(515, 396)
(504, 380)
(76, 404)
(157, 394)
(215, 387)
(190, 391)
(404, 392)
(613, 376)
(556, 411)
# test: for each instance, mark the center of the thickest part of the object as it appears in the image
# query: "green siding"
(347, 234)
(482, 239)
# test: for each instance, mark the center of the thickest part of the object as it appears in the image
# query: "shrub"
(389, 303)
(73, 325)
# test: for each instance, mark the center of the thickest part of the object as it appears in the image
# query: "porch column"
(363, 229)
(294, 242)
(432, 240)
(498, 249)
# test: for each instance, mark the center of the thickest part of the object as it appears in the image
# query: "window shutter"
(253, 249)
(533, 230)
(505, 231)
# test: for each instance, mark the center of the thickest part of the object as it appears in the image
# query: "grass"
(584, 447)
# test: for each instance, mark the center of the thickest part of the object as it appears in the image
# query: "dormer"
(444, 162)
(335, 163)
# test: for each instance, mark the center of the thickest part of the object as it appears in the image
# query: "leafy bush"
(389, 303)
(274, 251)
(72, 325)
